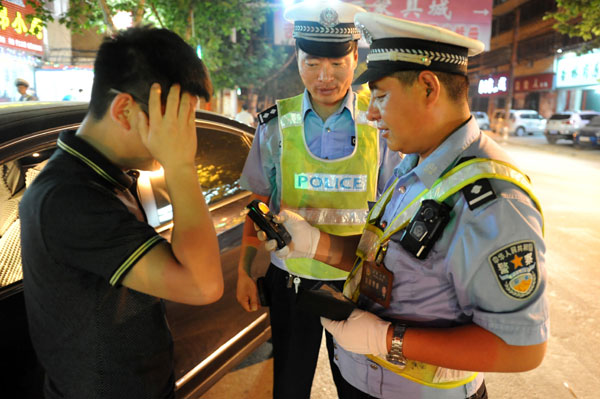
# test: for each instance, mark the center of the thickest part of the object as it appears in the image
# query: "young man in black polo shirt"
(94, 270)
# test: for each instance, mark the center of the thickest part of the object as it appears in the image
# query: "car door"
(208, 340)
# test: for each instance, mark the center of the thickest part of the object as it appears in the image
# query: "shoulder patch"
(516, 269)
(478, 193)
(267, 114)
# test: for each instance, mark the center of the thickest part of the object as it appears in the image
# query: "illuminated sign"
(534, 83)
(16, 32)
(573, 70)
(493, 85)
(471, 18)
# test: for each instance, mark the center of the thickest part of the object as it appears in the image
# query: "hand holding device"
(260, 214)
(305, 238)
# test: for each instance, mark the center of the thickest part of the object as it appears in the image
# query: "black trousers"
(347, 391)
(296, 337)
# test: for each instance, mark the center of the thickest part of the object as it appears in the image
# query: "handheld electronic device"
(260, 214)
(325, 300)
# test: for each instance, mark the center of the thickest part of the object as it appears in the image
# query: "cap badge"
(329, 18)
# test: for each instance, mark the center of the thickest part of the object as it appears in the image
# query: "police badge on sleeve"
(515, 266)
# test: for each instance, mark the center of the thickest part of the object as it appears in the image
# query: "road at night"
(567, 183)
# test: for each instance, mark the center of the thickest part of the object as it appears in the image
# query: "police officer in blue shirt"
(450, 280)
(317, 154)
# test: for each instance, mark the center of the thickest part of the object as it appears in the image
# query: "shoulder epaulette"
(267, 114)
(479, 192)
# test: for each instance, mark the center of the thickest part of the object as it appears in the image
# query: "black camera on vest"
(425, 228)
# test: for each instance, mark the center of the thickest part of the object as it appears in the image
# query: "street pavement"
(565, 179)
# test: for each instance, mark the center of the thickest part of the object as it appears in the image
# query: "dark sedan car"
(589, 135)
(209, 340)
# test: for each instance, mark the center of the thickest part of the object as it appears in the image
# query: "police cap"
(324, 28)
(400, 45)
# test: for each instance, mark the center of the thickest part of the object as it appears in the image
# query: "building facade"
(532, 65)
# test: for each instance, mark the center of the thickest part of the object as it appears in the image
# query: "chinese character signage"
(583, 70)
(16, 32)
(493, 85)
(472, 18)
(539, 82)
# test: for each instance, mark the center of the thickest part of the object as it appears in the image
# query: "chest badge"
(516, 269)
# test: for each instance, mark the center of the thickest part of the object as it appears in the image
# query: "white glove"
(305, 238)
(362, 332)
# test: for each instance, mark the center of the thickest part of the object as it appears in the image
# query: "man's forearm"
(469, 347)
(194, 242)
(337, 251)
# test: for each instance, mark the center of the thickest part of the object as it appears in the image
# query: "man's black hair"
(135, 58)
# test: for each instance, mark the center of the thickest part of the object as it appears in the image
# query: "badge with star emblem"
(515, 266)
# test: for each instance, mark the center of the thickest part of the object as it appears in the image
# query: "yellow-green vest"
(333, 194)
(373, 239)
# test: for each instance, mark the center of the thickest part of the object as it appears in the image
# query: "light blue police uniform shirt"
(456, 284)
(331, 139)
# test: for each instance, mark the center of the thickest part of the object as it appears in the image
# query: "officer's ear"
(430, 87)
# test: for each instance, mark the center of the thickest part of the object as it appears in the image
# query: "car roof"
(21, 118)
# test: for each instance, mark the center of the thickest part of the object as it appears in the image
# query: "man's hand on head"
(170, 136)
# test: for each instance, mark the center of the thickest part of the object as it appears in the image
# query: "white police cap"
(400, 45)
(324, 28)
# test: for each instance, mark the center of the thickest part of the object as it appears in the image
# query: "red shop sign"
(539, 82)
(16, 32)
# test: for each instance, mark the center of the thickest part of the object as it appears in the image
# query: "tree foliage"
(228, 31)
(580, 18)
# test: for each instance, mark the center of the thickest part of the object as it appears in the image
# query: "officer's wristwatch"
(395, 355)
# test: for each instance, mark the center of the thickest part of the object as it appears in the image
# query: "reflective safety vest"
(373, 239)
(331, 194)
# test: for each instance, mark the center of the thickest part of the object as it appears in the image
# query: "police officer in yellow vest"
(317, 154)
(449, 278)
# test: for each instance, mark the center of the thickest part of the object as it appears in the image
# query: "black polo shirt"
(94, 337)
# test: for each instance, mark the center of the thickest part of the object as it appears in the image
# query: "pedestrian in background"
(450, 278)
(94, 271)
(321, 135)
(22, 86)
(244, 116)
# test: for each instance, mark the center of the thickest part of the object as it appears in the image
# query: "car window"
(559, 117)
(587, 117)
(221, 157)
(219, 163)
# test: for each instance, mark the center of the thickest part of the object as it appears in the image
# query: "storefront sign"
(472, 18)
(539, 82)
(16, 32)
(583, 70)
(493, 85)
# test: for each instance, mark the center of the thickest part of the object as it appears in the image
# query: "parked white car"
(482, 119)
(562, 125)
(518, 123)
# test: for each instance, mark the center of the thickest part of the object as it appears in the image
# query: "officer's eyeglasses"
(143, 104)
